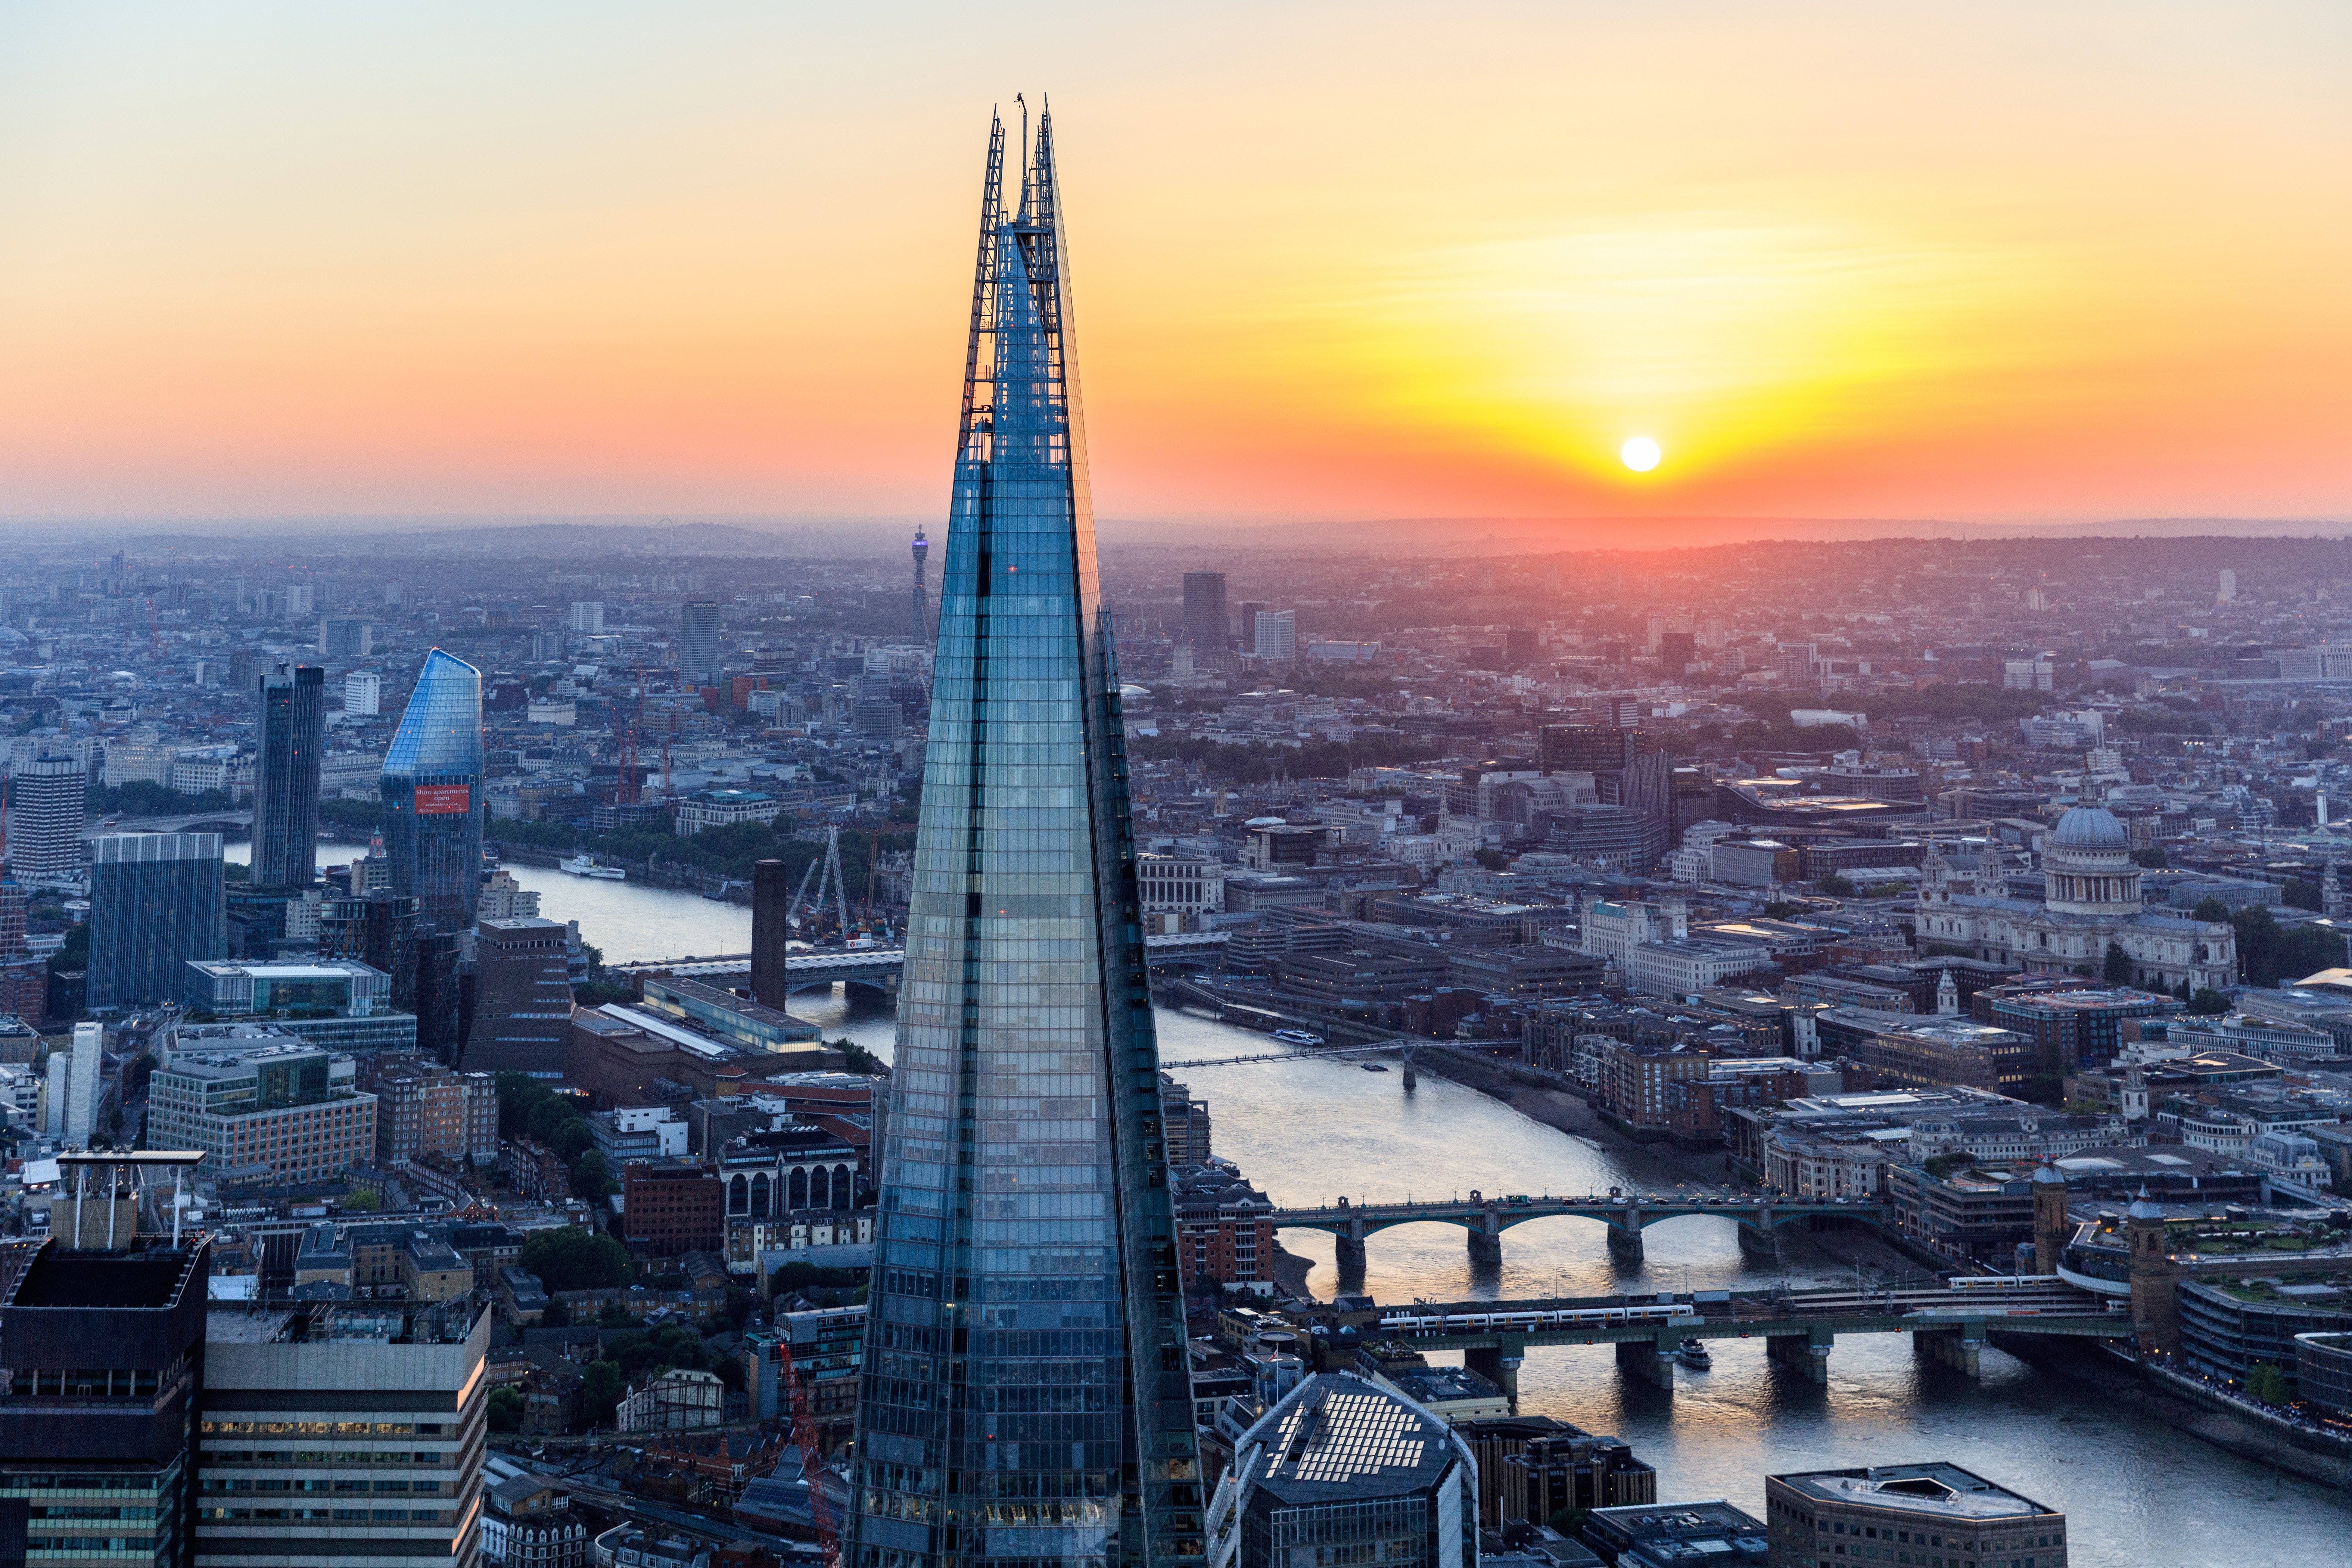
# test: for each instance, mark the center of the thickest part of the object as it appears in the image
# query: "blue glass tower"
(1026, 1397)
(156, 901)
(432, 791)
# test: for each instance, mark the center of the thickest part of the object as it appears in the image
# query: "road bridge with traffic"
(1950, 1324)
(1626, 1215)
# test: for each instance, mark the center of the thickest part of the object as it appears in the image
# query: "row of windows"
(325, 1428)
(348, 1515)
(272, 1484)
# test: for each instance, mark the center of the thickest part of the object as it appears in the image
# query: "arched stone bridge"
(1626, 1215)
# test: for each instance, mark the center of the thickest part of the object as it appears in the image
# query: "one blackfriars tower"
(290, 741)
(1026, 1398)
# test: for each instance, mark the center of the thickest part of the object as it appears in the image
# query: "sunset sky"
(1998, 261)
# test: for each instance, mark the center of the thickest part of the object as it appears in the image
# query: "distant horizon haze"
(1850, 265)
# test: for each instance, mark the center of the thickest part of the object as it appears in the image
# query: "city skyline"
(1837, 262)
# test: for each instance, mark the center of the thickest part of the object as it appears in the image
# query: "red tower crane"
(804, 1437)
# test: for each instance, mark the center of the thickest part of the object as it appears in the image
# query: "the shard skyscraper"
(1025, 1395)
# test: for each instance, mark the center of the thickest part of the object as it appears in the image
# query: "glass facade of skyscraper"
(1024, 1397)
(290, 739)
(701, 653)
(432, 791)
(156, 900)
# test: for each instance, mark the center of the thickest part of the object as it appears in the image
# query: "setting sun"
(1640, 454)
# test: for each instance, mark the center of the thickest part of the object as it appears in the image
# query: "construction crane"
(804, 1437)
(629, 788)
(831, 880)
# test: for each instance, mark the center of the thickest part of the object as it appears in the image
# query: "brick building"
(670, 1206)
(1224, 1229)
(423, 1108)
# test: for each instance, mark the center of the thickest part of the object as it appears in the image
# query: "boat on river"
(589, 866)
(1297, 1037)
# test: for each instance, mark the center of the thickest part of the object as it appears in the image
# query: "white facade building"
(1277, 636)
(2093, 901)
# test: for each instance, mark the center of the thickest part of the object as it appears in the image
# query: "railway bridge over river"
(1948, 1324)
(1626, 1215)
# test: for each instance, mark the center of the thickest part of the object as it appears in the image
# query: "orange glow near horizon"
(1837, 260)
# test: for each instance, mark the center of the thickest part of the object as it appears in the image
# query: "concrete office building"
(343, 1435)
(1924, 1511)
(96, 1425)
(362, 695)
(282, 1113)
(1345, 1470)
(156, 901)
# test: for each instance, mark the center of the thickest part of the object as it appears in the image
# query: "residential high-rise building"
(432, 789)
(1205, 610)
(47, 807)
(289, 742)
(156, 900)
(1027, 1345)
(77, 1077)
(423, 1108)
(522, 998)
(699, 653)
(1276, 637)
(587, 617)
(1247, 615)
(362, 694)
(98, 1466)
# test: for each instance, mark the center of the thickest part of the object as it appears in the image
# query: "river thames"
(2135, 1491)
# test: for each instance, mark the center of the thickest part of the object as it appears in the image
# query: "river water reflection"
(2135, 1491)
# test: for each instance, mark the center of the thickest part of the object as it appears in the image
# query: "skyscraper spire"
(1024, 1396)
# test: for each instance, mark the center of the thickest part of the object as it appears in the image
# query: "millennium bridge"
(1948, 1324)
(1625, 1214)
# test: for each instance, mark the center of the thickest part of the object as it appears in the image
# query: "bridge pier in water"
(1761, 1244)
(1486, 1247)
(1625, 1236)
(1651, 1361)
(1348, 1257)
(1807, 1354)
(1498, 1364)
(1961, 1349)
